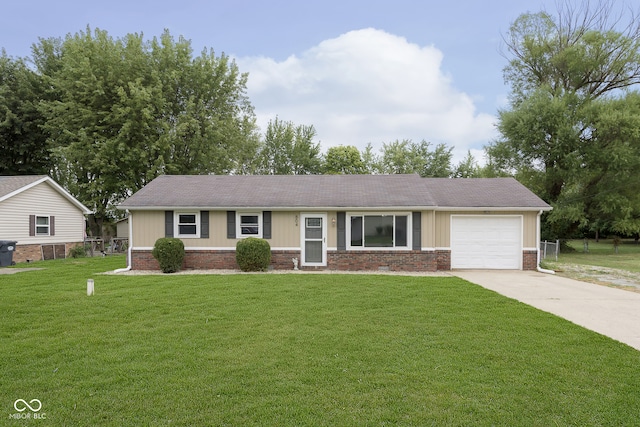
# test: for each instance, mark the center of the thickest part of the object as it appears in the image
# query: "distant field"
(602, 254)
(298, 350)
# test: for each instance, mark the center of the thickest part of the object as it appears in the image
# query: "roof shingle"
(329, 191)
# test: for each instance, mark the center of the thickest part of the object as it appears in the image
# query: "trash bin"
(7, 247)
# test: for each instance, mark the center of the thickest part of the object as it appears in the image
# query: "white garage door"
(486, 242)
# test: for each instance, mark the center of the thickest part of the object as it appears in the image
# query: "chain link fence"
(549, 249)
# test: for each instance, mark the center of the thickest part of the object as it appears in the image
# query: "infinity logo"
(25, 405)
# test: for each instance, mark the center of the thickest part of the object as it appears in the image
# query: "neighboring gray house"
(341, 222)
(41, 216)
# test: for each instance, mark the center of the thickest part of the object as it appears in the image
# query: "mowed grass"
(298, 350)
(601, 254)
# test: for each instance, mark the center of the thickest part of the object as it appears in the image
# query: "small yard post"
(90, 289)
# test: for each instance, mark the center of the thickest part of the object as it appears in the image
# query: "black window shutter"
(52, 226)
(32, 225)
(417, 241)
(266, 224)
(204, 224)
(231, 224)
(342, 231)
(168, 223)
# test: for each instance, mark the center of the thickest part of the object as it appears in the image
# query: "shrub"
(253, 254)
(78, 251)
(169, 252)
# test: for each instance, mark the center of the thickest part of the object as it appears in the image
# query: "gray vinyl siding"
(41, 200)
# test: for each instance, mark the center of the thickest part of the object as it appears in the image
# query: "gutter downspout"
(128, 267)
(538, 233)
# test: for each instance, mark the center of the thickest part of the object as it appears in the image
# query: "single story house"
(41, 216)
(340, 222)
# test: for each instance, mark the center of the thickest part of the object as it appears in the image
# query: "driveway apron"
(608, 311)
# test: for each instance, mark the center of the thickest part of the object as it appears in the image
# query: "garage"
(486, 242)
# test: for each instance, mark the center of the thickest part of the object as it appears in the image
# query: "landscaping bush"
(169, 252)
(253, 254)
(78, 251)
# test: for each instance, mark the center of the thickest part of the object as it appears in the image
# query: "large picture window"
(379, 231)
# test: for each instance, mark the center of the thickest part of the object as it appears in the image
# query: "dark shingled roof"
(329, 191)
(482, 192)
(9, 184)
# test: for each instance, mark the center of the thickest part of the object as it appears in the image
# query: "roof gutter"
(284, 209)
(538, 236)
(128, 267)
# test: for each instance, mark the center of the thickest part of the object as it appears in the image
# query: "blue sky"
(359, 71)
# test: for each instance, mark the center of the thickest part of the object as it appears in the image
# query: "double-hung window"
(249, 224)
(379, 231)
(42, 226)
(188, 224)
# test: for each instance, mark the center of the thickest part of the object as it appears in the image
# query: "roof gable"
(13, 185)
(330, 191)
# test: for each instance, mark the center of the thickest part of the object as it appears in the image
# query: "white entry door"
(313, 239)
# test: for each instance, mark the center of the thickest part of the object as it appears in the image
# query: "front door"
(314, 239)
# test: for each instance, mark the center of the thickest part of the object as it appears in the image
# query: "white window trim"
(365, 248)
(176, 225)
(48, 233)
(239, 216)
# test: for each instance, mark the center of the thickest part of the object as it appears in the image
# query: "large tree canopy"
(288, 149)
(23, 142)
(571, 130)
(122, 111)
(588, 50)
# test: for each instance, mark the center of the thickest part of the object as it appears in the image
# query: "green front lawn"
(298, 349)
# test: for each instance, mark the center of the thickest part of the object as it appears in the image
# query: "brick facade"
(529, 260)
(282, 260)
(439, 260)
(444, 259)
(381, 260)
(39, 252)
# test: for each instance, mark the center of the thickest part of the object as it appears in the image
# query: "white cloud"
(368, 86)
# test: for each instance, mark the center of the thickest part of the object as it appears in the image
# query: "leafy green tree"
(344, 160)
(570, 130)
(122, 111)
(467, 168)
(288, 149)
(401, 157)
(371, 160)
(23, 143)
(578, 51)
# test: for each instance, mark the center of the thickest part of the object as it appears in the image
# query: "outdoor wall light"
(333, 221)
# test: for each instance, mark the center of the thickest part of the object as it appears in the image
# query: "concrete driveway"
(608, 311)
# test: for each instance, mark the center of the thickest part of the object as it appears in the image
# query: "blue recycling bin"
(7, 247)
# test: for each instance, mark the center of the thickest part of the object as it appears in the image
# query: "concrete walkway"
(608, 311)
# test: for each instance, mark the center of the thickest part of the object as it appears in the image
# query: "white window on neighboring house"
(43, 226)
(188, 224)
(249, 224)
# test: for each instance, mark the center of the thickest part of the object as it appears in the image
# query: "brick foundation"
(439, 260)
(381, 260)
(211, 260)
(443, 259)
(529, 260)
(282, 260)
(39, 252)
